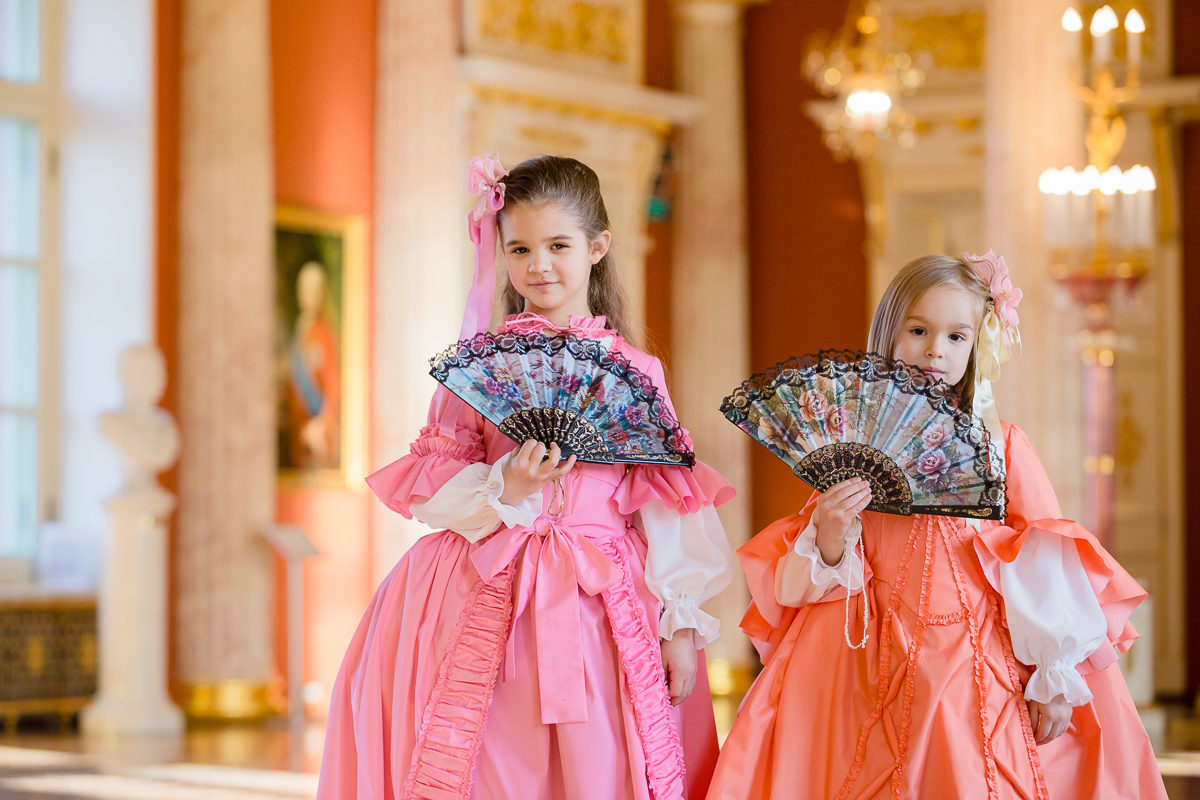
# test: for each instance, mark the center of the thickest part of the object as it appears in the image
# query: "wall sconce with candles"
(1099, 228)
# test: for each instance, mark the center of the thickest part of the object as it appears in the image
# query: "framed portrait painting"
(320, 346)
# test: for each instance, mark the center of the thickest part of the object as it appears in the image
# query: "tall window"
(26, 137)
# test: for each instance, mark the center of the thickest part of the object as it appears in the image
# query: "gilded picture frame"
(320, 346)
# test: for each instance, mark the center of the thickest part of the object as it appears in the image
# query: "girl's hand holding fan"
(530, 468)
(834, 516)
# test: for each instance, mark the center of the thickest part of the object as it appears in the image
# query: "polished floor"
(273, 761)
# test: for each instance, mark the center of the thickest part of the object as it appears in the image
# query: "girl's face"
(549, 258)
(939, 333)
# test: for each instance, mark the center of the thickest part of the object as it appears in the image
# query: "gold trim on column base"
(728, 683)
(229, 700)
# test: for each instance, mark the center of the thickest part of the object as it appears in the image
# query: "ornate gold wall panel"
(597, 37)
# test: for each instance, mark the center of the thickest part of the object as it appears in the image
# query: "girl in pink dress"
(989, 667)
(519, 652)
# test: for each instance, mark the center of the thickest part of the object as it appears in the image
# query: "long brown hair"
(913, 280)
(573, 184)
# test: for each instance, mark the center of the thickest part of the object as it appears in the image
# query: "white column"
(1033, 121)
(710, 349)
(421, 211)
(224, 617)
(132, 696)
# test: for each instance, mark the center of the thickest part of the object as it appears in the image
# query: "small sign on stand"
(294, 546)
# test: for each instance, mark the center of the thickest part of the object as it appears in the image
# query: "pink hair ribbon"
(485, 180)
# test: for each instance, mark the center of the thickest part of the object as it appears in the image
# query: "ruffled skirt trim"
(448, 744)
(641, 662)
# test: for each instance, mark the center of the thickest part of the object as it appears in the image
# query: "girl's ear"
(599, 246)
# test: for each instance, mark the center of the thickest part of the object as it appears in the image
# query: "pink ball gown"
(527, 664)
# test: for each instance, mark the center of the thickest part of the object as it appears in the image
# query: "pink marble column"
(710, 347)
(423, 264)
(223, 578)
(1033, 122)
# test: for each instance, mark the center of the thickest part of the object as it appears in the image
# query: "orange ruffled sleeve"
(767, 619)
(1032, 505)
(452, 439)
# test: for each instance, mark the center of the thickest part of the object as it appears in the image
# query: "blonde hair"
(575, 185)
(912, 281)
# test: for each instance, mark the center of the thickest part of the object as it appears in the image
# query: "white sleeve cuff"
(469, 503)
(685, 612)
(803, 577)
(1058, 677)
(848, 572)
(518, 515)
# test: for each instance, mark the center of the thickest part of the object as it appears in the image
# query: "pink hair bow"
(485, 180)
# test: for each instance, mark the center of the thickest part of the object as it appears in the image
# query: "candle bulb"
(1103, 23)
(1072, 23)
(1135, 26)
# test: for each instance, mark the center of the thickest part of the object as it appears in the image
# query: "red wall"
(808, 278)
(166, 227)
(1187, 62)
(323, 99)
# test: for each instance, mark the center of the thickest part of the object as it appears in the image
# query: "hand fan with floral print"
(565, 389)
(840, 414)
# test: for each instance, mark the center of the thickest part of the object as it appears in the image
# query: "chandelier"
(867, 74)
(1098, 221)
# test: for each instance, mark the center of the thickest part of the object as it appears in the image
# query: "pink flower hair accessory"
(1005, 297)
(999, 333)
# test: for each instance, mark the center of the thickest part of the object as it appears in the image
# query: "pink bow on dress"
(555, 562)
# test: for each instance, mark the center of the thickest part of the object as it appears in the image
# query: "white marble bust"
(146, 435)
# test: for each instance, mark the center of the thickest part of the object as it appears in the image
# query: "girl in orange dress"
(937, 657)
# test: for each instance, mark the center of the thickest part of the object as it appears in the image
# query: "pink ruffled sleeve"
(680, 489)
(684, 490)
(451, 440)
(1032, 506)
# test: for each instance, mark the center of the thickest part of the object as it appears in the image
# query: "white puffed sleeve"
(688, 561)
(469, 503)
(1053, 616)
(803, 577)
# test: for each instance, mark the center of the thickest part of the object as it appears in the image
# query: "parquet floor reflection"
(272, 761)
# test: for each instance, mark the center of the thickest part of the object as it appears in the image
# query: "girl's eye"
(917, 331)
(516, 251)
(559, 246)
(957, 337)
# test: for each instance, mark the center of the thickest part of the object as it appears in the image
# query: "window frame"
(41, 104)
